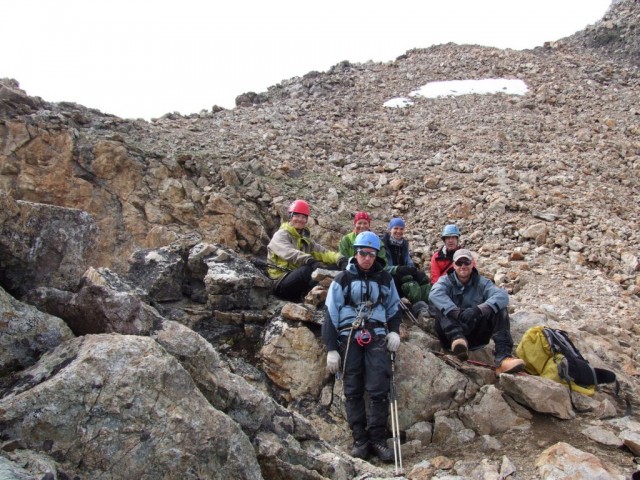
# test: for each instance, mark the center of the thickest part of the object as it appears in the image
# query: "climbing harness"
(363, 337)
(362, 314)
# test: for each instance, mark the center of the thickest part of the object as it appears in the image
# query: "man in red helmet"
(293, 255)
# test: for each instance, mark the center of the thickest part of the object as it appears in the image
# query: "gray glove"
(333, 361)
(393, 341)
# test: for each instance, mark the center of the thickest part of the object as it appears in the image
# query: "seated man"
(410, 282)
(361, 223)
(442, 259)
(470, 310)
(293, 255)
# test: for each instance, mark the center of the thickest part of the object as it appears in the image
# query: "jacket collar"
(289, 228)
(378, 266)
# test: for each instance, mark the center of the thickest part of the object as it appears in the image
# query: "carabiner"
(363, 337)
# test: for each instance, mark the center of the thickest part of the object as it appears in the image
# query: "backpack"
(549, 353)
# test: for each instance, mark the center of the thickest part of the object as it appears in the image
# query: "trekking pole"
(395, 426)
(407, 310)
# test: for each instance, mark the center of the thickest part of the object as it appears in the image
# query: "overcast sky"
(136, 58)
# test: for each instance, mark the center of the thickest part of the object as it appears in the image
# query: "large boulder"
(114, 406)
(426, 384)
(26, 333)
(103, 304)
(43, 245)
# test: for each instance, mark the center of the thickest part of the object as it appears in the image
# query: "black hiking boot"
(460, 349)
(360, 449)
(382, 451)
(419, 307)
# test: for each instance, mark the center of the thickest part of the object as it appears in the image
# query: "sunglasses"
(463, 261)
(362, 253)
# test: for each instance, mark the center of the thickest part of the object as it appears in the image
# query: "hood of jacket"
(377, 266)
(303, 235)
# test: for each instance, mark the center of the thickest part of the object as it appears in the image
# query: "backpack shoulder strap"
(349, 277)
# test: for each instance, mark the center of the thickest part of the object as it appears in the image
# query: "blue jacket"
(449, 293)
(350, 291)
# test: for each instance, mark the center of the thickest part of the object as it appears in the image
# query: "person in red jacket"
(442, 260)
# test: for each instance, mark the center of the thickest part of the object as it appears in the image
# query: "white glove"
(333, 361)
(393, 341)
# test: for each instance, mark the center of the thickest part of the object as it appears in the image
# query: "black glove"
(454, 314)
(342, 263)
(404, 270)
(313, 263)
(470, 314)
(420, 277)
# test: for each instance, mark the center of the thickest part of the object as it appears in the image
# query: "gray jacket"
(449, 293)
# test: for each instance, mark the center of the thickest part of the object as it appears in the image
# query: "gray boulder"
(114, 406)
(26, 333)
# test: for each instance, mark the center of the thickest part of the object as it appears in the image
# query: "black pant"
(294, 285)
(367, 369)
(478, 332)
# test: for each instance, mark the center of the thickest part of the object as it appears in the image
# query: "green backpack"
(549, 353)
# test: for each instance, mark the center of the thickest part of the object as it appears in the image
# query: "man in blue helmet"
(442, 260)
(361, 325)
(441, 264)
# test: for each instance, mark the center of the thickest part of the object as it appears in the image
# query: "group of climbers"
(363, 312)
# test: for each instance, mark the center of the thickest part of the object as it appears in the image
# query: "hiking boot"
(382, 451)
(419, 307)
(460, 349)
(510, 365)
(360, 449)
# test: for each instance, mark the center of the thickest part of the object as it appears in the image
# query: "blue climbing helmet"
(450, 231)
(367, 239)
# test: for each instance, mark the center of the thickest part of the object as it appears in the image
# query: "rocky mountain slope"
(544, 186)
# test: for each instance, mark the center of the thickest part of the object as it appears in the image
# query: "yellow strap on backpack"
(534, 349)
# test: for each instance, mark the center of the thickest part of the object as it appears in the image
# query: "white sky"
(144, 58)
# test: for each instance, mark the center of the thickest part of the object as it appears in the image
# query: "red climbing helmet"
(299, 206)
